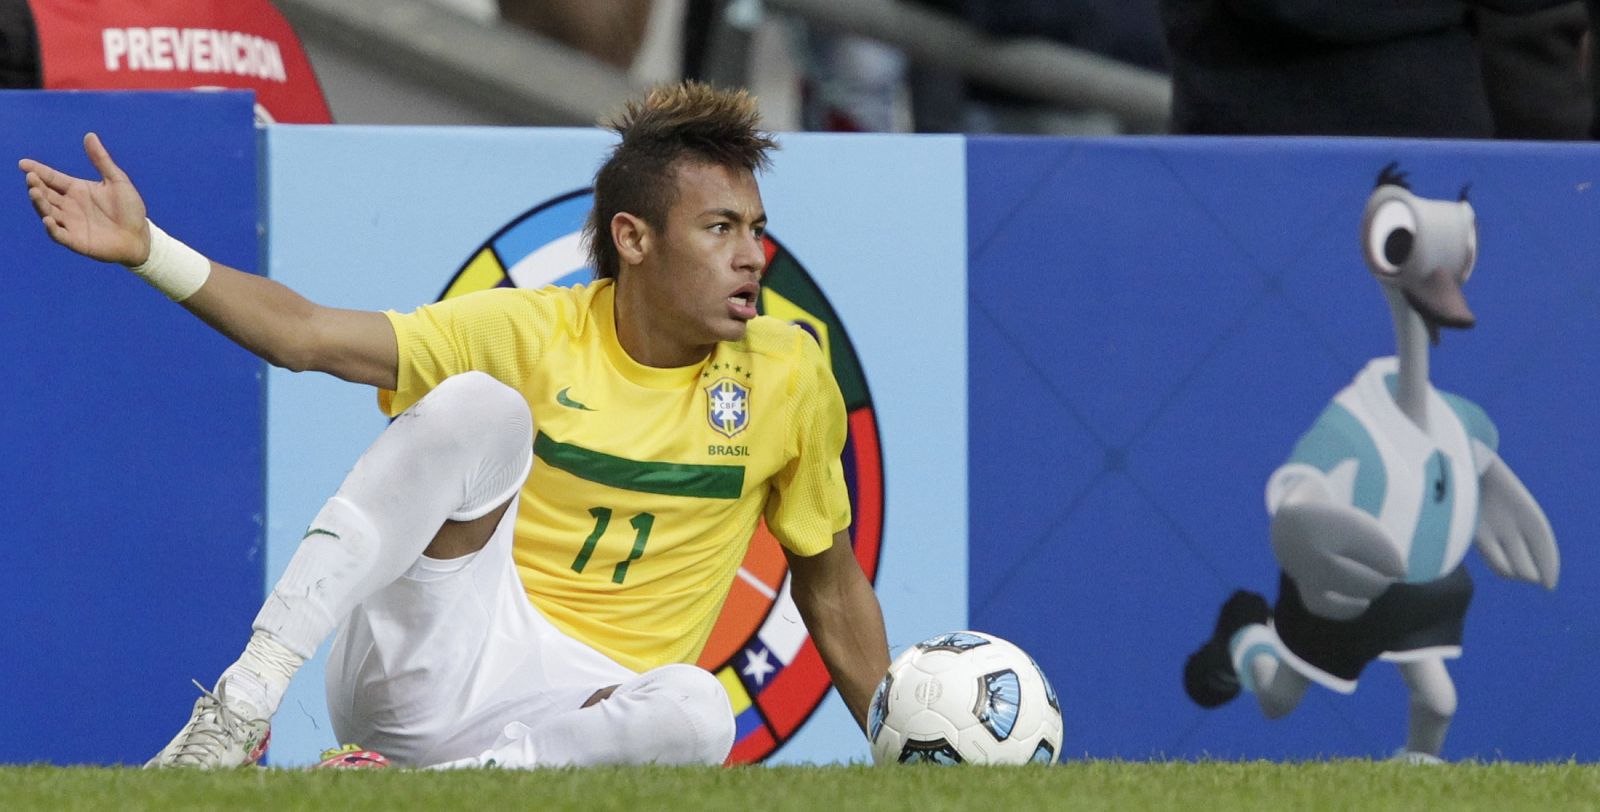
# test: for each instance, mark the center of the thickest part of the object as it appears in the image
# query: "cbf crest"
(728, 406)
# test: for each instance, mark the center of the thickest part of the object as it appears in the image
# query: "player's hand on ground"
(102, 219)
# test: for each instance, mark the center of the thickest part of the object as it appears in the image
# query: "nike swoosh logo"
(561, 398)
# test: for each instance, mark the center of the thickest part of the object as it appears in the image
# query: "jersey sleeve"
(501, 332)
(1339, 447)
(810, 502)
(1476, 421)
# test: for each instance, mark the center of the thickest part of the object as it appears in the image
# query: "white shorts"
(432, 668)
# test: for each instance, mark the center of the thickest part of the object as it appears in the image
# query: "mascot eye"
(1391, 234)
(1472, 251)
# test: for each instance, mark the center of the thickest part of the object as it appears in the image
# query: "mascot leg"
(1433, 705)
(1278, 688)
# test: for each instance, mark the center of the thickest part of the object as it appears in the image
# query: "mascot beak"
(1437, 298)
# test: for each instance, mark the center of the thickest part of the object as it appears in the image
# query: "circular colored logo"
(758, 649)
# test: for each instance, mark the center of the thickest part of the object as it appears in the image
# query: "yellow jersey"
(647, 483)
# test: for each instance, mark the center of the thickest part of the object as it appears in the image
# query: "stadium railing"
(499, 69)
(508, 71)
(1032, 68)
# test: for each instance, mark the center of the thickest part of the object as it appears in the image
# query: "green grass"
(1191, 787)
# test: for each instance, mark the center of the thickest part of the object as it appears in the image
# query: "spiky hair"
(689, 121)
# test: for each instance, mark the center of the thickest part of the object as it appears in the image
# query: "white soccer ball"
(964, 697)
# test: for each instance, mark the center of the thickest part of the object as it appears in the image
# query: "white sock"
(261, 675)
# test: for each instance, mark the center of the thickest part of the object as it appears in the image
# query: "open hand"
(102, 220)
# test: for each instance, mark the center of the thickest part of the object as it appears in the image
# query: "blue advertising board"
(132, 494)
(1155, 322)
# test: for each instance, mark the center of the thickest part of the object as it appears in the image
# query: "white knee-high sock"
(261, 675)
(457, 454)
(675, 714)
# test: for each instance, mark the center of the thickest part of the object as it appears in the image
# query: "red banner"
(178, 45)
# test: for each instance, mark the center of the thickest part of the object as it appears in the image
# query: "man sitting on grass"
(521, 567)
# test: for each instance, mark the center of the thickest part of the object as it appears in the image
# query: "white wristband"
(172, 267)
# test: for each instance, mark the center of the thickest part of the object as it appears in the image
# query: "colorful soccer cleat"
(351, 757)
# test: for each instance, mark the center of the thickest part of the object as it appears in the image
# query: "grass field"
(1192, 787)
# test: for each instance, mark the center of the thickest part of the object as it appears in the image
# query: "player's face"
(711, 254)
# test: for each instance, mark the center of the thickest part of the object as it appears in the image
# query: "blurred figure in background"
(609, 30)
(844, 83)
(938, 95)
(1349, 67)
(1128, 31)
(1591, 64)
(161, 45)
(1533, 72)
(852, 84)
(19, 47)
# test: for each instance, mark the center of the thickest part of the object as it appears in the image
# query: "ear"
(632, 236)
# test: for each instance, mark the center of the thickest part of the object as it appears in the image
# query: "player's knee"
(476, 434)
(477, 395)
(472, 408)
(707, 735)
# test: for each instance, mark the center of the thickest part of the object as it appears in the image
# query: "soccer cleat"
(351, 757)
(1208, 675)
(218, 735)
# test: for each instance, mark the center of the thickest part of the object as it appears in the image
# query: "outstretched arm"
(842, 613)
(105, 220)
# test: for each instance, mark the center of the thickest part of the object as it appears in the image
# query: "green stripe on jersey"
(665, 478)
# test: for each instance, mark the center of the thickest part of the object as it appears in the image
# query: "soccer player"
(522, 565)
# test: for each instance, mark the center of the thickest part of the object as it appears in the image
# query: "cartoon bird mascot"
(1373, 512)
